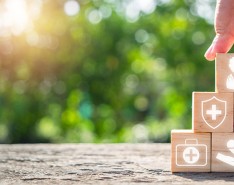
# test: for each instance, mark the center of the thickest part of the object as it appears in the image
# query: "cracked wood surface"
(96, 164)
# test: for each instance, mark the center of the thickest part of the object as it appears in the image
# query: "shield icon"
(214, 112)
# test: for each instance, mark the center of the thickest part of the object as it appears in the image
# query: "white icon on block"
(230, 78)
(191, 153)
(214, 112)
(215, 115)
(227, 159)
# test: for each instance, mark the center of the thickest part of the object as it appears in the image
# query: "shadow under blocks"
(209, 146)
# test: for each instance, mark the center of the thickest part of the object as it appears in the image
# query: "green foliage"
(100, 76)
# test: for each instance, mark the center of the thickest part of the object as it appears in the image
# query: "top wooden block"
(224, 68)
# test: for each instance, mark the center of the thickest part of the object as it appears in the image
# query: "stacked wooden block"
(209, 146)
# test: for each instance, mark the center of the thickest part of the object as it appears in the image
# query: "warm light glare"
(14, 16)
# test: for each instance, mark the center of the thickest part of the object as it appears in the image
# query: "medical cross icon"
(213, 112)
(191, 155)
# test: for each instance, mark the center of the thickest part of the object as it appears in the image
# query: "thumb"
(220, 44)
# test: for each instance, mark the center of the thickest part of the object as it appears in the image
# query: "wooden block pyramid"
(209, 146)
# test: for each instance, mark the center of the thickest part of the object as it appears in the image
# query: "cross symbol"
(191, 154)
(213, 112)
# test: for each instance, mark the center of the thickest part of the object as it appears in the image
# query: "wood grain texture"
(96, 164)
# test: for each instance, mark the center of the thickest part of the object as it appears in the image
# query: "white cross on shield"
(214, 112)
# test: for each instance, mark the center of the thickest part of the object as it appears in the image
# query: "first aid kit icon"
(191, 153)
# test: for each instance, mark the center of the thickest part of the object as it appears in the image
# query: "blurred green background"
(101, 70)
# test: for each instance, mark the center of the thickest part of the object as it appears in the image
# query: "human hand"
(224, 28)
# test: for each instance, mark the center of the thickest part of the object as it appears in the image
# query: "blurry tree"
(101, 71)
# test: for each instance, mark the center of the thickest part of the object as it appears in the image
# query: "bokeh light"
(71, 7)
(94, 16)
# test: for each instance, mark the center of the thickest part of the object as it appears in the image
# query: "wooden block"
(224, 68)
(212, 112)
(190, 152)
(222, 152)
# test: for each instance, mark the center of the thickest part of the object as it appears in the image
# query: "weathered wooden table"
(96, 164)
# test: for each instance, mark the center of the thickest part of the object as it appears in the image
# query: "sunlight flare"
(16, 16)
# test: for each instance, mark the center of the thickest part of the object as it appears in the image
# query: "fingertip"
(220, 44)
(210, 55)
(210, 58)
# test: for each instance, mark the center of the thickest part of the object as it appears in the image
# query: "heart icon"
(230, 145)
